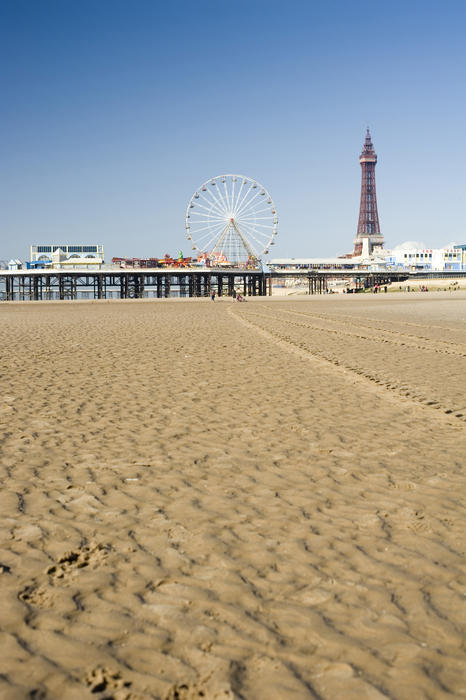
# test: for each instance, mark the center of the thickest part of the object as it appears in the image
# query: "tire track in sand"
(400, 391)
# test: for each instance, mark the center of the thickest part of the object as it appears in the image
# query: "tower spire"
(368, 223)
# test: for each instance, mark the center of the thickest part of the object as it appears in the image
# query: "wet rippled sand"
(261, 500)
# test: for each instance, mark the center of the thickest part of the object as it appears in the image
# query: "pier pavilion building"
(71, 251)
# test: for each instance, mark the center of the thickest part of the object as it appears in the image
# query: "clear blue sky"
(113, 112)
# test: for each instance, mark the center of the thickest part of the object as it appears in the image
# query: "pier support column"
(48, 291)
(139, 294)
(123, 286)
(182, 285)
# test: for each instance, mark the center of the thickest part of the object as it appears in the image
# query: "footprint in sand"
(189, 691)
(104, 680)
(40, 595)
(37, 595)
(92, 555)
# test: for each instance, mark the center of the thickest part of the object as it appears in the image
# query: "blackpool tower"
(368, 235)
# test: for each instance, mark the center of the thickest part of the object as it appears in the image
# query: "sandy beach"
(247, 501)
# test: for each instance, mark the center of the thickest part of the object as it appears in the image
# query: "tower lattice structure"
(368, 235)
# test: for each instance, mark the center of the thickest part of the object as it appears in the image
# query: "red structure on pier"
(368, 235)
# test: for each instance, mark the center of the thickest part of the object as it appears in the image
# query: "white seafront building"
(409, 257)
(73, 256)
(414, 257)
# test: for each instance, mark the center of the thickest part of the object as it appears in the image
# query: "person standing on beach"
(234, 295)
(212, 295)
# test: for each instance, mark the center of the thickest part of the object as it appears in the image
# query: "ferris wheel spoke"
(244, 240)
(247, 204)
(222, 236)
(235, 203)
(251, 233)
(219, 204)
(208, 243)
(202, 216)
(253, 223)
(209, 209)
(203, 219)
(212, 205)
(233, 183)
(209, 227)
(255, 218)
(224, 204)
(253, 208)
(240, 203)
(258, 211)
(227, 195)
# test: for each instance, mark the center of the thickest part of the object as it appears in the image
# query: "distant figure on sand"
(239, 297)
(212, 295)
(234, 294)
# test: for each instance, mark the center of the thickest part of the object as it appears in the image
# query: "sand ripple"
(253, 501)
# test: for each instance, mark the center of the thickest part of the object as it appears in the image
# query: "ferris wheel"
(231, 219)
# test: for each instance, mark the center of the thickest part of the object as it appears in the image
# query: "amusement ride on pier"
(231, 220)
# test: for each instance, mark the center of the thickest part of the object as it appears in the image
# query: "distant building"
(290, 264)
(449, 259)
(80, 257)
(404, 258)
(44, 252)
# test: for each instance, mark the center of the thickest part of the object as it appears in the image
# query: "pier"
(51, 284)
